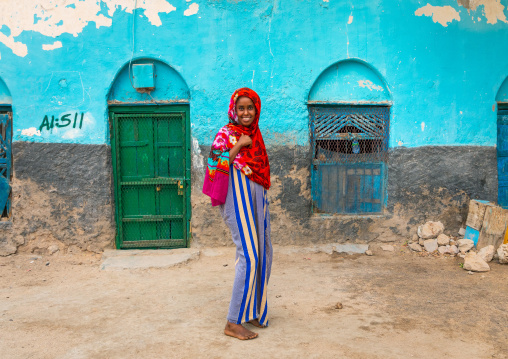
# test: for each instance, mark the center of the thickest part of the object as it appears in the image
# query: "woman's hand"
(242, 142)
(245, 141)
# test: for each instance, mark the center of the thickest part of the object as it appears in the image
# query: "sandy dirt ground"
(395, 305)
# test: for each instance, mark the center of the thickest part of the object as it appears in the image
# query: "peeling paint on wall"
(492, 9)
(197, 159)
(370, 85)
(441, 14)
(17, 48)
(192, 10)
(53, 17)
(32, 131)
(53, 46)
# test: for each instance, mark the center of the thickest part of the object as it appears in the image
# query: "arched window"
(349, 123)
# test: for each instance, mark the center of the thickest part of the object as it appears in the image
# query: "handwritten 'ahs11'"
(64, 121)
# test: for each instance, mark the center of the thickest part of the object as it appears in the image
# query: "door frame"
(501, 107)
(8, 161)
(316, 162)
(148, 109)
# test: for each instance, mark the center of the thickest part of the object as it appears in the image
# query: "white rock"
(388, 248)
(502, 253)
(454, 250)
(475, 263)
(462, 231)
(487, 253)
(53, 249)
(443, 240)
(430, 245)
(465, 244)
(416, 247)
(6, 249)
(430, 230)
(444, 249)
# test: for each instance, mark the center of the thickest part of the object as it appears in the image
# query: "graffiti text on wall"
(64, 121)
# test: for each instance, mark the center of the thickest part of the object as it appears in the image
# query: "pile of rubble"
(477, 261)
(431, 239)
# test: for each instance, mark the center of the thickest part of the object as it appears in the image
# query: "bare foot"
(238, 331)
(255, 322)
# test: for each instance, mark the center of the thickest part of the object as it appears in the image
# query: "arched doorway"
(150, 141)
(502, 144)
(5, 151)
(349, 111)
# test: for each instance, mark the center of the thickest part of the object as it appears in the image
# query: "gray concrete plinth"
(142, 259)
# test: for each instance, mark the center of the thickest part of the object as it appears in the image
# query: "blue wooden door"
(502, 158)
(5, 163)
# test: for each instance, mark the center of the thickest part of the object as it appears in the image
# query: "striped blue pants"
(247, 216)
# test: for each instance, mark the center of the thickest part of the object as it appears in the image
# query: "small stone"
(388, 248)
(465, 244)
(421, 241)
(444, 249)
(487, 253)
(502, 253)
(415, 238)
(19, 240)
(461, 255)
(475, 263)
(469, 272)
(430, 230)
(369, 252)
(52, 249)
(6, 249)
(415, 247)
(443, 240)
(462, 231)
(338, 305)
(430, 245)
(454, 249)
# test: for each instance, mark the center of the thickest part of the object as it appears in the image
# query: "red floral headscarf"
(252, 161)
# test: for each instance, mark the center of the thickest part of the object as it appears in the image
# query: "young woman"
(237, 180)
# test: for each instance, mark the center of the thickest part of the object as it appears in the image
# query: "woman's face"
(245, 111)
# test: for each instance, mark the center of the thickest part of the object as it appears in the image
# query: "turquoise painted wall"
(441, 67)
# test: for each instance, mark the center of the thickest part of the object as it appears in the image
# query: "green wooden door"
(151, 168)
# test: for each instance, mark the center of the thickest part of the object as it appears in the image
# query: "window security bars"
(349, 151)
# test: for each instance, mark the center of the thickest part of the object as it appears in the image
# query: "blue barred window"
(349, 156)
